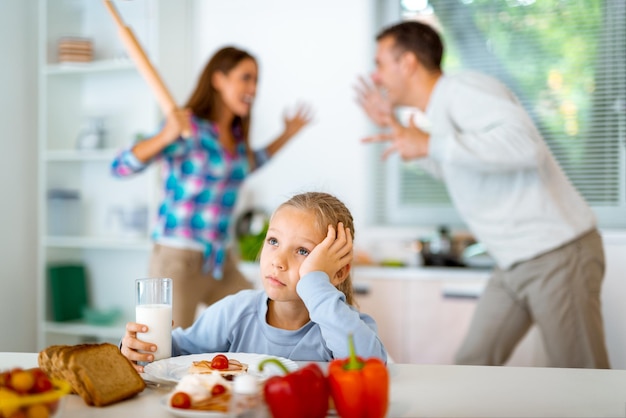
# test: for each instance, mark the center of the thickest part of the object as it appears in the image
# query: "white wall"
(309, 51)
(18, 175)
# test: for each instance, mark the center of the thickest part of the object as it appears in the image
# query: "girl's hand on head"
(330, 255)
(293, 124)
(130, 345)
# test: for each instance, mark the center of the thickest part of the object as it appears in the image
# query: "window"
(566, 62)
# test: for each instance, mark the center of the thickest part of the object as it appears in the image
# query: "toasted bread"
(60, 360)
(45, 361)
(52, 361)
(99, 373)
(106, 374)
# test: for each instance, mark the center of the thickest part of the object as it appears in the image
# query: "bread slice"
(45, 361)
(61, 361)
(99, 373)
(105, 373)
(53, 360)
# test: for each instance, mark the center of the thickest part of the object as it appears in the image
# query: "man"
(509, 190)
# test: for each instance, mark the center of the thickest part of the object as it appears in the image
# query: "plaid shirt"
(201, 181)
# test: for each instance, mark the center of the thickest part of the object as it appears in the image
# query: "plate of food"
(204, 381)
(228, 365)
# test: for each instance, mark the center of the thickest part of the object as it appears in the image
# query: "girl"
(305, 311)
(202, 177)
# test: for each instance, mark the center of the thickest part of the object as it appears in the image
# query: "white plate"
(190, 413)
(174, 368)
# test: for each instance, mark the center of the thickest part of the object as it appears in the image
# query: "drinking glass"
(154, 309)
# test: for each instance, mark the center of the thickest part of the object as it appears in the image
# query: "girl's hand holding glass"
(131, 346)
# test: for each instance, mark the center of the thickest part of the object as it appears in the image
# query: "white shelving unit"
(108, 88)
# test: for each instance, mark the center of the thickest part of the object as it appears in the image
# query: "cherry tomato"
(181, 400)
(220, 362)
(5, 378)
(218, 390)
(22, 381)
(42, 382)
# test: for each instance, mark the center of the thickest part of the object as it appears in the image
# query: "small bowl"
(53, 400)
(101, 317)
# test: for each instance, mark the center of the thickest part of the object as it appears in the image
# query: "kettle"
(442, 250)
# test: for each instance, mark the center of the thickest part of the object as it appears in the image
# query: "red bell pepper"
(303, 393)
(360, 388)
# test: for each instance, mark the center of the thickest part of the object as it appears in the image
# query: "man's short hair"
(420, 39)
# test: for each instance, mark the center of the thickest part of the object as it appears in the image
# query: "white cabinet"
(383, 300)
(85, 215)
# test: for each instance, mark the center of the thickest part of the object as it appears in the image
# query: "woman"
(203, 172)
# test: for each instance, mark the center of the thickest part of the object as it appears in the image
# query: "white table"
(436, 391)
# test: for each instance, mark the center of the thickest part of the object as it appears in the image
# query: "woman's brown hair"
(204, 101)
(328, 210)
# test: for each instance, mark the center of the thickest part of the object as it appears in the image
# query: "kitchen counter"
(251, 271)
(455, 281)
(420, 273)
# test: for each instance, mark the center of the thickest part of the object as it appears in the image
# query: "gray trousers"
(191, 286)
(559, 291)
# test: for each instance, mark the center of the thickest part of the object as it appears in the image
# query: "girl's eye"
(272, 241)
(303, 251)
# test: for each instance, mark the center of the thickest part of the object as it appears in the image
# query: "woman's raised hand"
(296, 120)
(178, 123)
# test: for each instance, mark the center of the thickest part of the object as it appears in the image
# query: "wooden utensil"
(143, 64)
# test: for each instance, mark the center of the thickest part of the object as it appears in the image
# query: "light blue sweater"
(237, 324)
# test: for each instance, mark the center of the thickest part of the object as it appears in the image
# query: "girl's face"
(291, 236)
(237, 88)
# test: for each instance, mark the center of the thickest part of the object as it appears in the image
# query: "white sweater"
(499, 172)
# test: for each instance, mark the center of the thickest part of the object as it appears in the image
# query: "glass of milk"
(154, 309)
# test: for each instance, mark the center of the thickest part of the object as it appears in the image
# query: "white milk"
(158, 319)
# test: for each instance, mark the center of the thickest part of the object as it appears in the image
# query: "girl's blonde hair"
(328, 210)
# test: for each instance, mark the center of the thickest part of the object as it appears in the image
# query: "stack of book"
(73, 49)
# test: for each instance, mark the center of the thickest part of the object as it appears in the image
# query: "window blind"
(566, 62)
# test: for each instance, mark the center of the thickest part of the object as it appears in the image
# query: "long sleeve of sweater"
(328, 308)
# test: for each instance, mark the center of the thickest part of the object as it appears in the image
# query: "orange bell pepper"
(359, 388)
